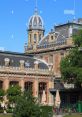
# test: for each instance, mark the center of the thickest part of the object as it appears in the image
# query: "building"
(27, 72)
(38, 67)
(51, 48)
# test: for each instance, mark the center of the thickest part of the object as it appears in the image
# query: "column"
(36, 87)
(21, 84)
(5, 87)
(50, 96)
(6, 84)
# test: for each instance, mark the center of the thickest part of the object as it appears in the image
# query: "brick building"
(38, 67)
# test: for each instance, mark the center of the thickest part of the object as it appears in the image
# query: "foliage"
(2, 93)
(47, 111)
(71, 65)
(13, 93)
(27, 106)
(77, 38)
(74, 115)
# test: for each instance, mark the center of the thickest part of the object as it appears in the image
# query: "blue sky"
(14, 16)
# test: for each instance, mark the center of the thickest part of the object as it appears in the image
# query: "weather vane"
(36, 10)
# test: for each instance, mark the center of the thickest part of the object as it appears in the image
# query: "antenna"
(36, 10)
(74, 8)
(36, 3)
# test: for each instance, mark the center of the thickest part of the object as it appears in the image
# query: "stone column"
(5, 87)
(50, 96)
(21, 84)
(6, 84)
(36, 87)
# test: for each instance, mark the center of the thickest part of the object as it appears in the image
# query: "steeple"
(35, 28)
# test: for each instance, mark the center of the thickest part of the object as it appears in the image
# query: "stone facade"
(55, 45)
(27, 72)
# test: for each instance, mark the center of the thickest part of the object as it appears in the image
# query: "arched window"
(30, 38)
(13, 83)
(42, 87)
(28, 86)
(39, 37)
(35, 36)
(1, 84)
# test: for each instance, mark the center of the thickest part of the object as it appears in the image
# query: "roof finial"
(36, 10)
(74, 8)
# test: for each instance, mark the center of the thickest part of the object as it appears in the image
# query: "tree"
(71, 65)
(2, 93)
(13, 93)
(27, 106)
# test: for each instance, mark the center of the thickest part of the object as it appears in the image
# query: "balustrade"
(24, 70)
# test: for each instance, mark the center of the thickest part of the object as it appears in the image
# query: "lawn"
(4, 115)
(74, 115)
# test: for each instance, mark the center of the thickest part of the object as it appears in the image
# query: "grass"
(5, 115)
(74, 115)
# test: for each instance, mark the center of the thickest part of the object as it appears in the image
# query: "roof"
(68, 23)
(36, 21)
(15, 58)
(59, 86)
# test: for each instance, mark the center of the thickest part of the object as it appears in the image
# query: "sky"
(14, 16)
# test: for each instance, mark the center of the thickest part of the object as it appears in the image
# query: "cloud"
(12, 36)
(2, 48)
(12, 12)
(69, 12)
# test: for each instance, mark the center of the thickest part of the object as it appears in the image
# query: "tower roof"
(36, 21)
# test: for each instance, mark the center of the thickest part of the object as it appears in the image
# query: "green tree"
(2, 93)
(27, 106)
(71, 65)
(13, 93)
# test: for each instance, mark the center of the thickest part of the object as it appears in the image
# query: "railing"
(52, 45)
(24, 70)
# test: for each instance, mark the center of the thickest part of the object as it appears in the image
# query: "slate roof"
(61, 33)
(15, 58)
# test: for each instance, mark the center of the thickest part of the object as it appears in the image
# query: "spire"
(36, 9)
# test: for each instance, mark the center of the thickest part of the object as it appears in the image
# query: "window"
(30, 38)
(34, 37)
(51, 58)
(39, 37)
(51, 37)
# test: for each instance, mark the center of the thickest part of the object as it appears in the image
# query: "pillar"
(21, 84)
(5, 87)
(36, 87)
(6, 84)
(50, 96)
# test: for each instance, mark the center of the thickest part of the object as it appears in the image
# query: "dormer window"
(7, 60)
(39, 37)
(51, 37)
(21, 63)
(27, 64)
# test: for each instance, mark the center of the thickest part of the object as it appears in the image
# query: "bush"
(9, 110)
(47, 111)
